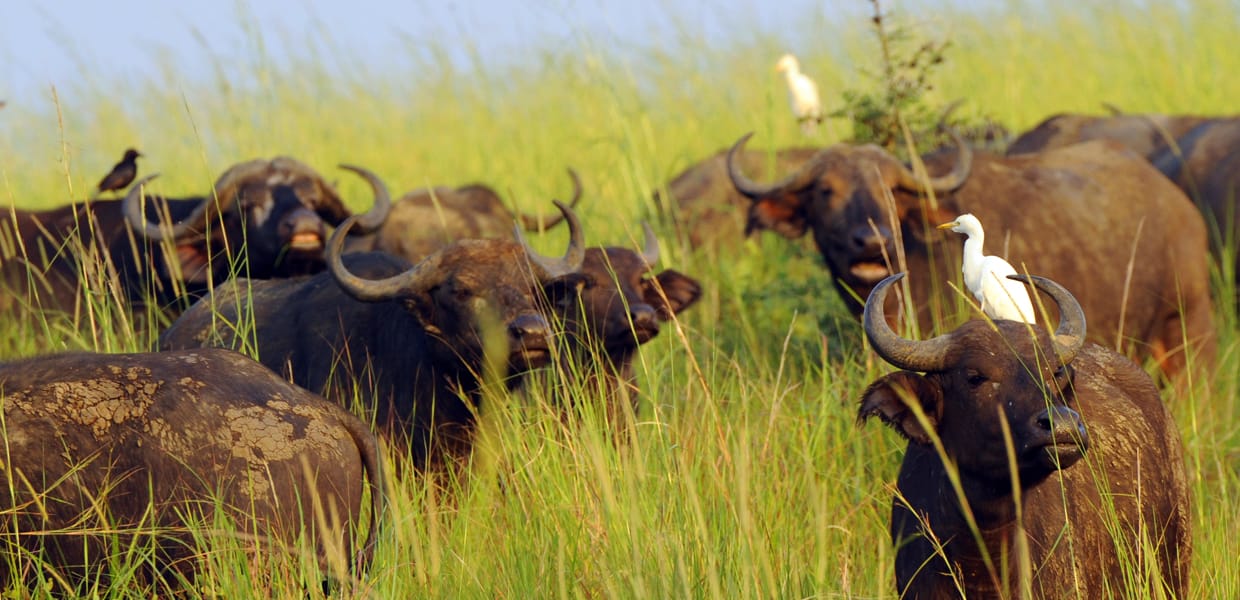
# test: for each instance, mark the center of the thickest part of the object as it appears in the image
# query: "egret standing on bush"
(986, 276)
(802, 94)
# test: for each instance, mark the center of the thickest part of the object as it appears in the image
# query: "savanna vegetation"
(744, 473)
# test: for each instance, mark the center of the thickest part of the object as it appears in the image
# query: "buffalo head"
(840, 193)
(978, 376)
(278, 210)
(455, 291)
(622, 305)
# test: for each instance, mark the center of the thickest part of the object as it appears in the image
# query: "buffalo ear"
(681, 291)
(195, 266)
(888, 399)
(783, 213)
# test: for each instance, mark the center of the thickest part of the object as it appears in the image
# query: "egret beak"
(948, 225)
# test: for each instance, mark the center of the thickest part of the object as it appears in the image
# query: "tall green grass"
(746, 475)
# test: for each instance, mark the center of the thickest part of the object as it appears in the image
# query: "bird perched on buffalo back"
(122, 174)
(986, 276)
(802, 94)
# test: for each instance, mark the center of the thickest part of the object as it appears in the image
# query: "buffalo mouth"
(869, 270)
(306, 241)
(638, 335)
(1057, 453)
(529, 357)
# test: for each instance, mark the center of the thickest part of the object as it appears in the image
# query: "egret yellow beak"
(948, 225)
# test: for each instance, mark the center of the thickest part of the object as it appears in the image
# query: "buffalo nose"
(1062, 422)
(527, 328)
(644, 316)
(865, 237)
(300, 220)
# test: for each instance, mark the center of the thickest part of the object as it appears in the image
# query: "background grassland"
(746, 475)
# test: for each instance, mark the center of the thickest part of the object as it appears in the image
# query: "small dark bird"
(122, 174)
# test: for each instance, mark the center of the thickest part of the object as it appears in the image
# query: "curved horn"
(1070, 333)
(539, 222)
(946, 115)
(926, 356)
(372, 219)
(754, 190)
(372, 290)
(944, 183)
(136, 217)
(650, 247)
(573, 257)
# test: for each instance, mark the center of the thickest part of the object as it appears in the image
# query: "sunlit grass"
(750, 480)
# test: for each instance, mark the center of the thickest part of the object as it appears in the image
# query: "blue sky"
(45, 43)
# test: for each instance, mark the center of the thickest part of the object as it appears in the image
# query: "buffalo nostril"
(526, 327)
(1062, 420)
(644, 316)
(866, 237)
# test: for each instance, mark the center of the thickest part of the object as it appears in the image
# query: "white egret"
(802, 94)
(986, 276)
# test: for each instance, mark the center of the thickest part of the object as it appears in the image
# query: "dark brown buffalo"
(706, 209)
(424, 221)
(1081, 215)
(619, 308)
(1103, 507)
(143, 447)
(1206, 164)
(267, 219)
(264, 219)
(1146, 135)
(406, 342)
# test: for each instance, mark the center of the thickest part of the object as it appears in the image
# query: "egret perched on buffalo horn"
(986, 276)
(802, 94)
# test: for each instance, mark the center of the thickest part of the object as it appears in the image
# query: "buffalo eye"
(975, 378)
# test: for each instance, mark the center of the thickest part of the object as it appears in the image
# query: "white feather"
(986, 276)
(802, 93)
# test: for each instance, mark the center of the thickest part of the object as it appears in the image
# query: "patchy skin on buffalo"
(136, 432)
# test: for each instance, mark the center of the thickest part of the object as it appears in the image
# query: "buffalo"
(620, 307)
(1094, 216)
(264, 218)
(407, 341)
(705, 209)
(425, 220)
(1205, 163)
(1103, 498)
(106, 451)
(1146, 135)
(267, 219)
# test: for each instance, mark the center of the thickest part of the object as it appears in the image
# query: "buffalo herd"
(397, 324)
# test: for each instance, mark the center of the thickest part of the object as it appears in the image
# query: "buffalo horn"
(755, 191)
(573, 257)
(943, 183)
(136, 217)
(538, 222)
(926, 356)
(1070, 333)
(372, 219)
(650, 246)
(371, 290)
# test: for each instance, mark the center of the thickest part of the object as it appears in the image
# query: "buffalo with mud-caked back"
(263, 219)
(410, 343)
(106, 453)
(1081, 215)
(1027, 447)
(620, 307)
(426, 220)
